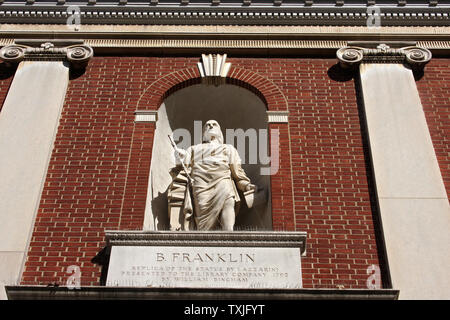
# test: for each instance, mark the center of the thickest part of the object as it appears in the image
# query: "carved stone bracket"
(414, 56)
(77, 55)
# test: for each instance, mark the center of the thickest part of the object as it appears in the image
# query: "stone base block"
(205, 259)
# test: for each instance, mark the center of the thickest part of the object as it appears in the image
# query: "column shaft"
(28, 123)
(413, 203)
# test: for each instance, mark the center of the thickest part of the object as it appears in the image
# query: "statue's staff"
(179, 158)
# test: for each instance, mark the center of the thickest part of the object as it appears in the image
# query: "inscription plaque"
(197, 267)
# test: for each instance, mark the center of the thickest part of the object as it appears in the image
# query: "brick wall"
(434, 91)
(6, 76)
(91, 168)
(99, 168)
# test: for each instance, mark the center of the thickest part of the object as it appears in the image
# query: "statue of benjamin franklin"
(216, 173)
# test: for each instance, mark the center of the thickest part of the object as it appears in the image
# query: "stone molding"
(146, 116)
(328, 47)
(129, 293)
(277, 116)
(193, 39)
(77, 55)
(208, 239)
(413, 56)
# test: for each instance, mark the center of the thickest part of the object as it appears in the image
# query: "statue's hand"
(250, 187)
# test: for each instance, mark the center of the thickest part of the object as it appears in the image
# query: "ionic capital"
(76, 54)
(413, 56)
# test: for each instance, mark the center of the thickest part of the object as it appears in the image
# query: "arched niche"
(234, 108)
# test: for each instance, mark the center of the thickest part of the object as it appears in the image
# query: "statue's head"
(211, 131)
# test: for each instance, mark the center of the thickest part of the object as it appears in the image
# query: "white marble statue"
(215, 172)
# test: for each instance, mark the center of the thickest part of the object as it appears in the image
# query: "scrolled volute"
(349, 56)
(79, 55)
(12, 54)
(417, 57)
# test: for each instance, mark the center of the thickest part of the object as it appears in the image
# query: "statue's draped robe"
(213, 168)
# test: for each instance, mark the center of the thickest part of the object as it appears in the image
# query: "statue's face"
(211, 130)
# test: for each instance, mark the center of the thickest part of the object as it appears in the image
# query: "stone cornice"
(414, 56)
(197, 46)
(332, 14)
(107, 37)
(233, 4)
(75, 52)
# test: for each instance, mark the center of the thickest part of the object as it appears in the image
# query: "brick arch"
(271, 93)
(133, 207)
(266, 90)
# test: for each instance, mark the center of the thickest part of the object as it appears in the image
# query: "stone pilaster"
(412, 199)
(28, 123)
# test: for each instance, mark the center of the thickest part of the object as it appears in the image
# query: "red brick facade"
(98, 173)
(5, 82)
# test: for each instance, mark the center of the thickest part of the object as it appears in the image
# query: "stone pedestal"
(248, 260)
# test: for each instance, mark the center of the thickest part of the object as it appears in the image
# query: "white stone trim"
(77, 54)
(146, 116)
(414, 56)
(214, 65)
(325, 32)
(277, 116)
(280, 239)
(222, 44)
